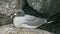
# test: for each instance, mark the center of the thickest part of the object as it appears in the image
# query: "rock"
(3, 19)
(7, 6)
(10, 29)
(20, 4)
(46, 7)
(38, 4)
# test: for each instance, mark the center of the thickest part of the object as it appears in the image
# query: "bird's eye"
(20, 14)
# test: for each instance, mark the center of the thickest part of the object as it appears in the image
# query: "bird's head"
(18, 13)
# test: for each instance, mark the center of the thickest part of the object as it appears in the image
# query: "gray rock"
(10, 29)
(48, 7)
(20, 4)
(7, 6)
(38, 4)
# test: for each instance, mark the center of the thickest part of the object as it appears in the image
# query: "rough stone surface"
(20, 4)
(47, 7)
(38, 4)
(10, 29)
(7, 6)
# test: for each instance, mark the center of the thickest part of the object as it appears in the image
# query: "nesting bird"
(23, 20)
